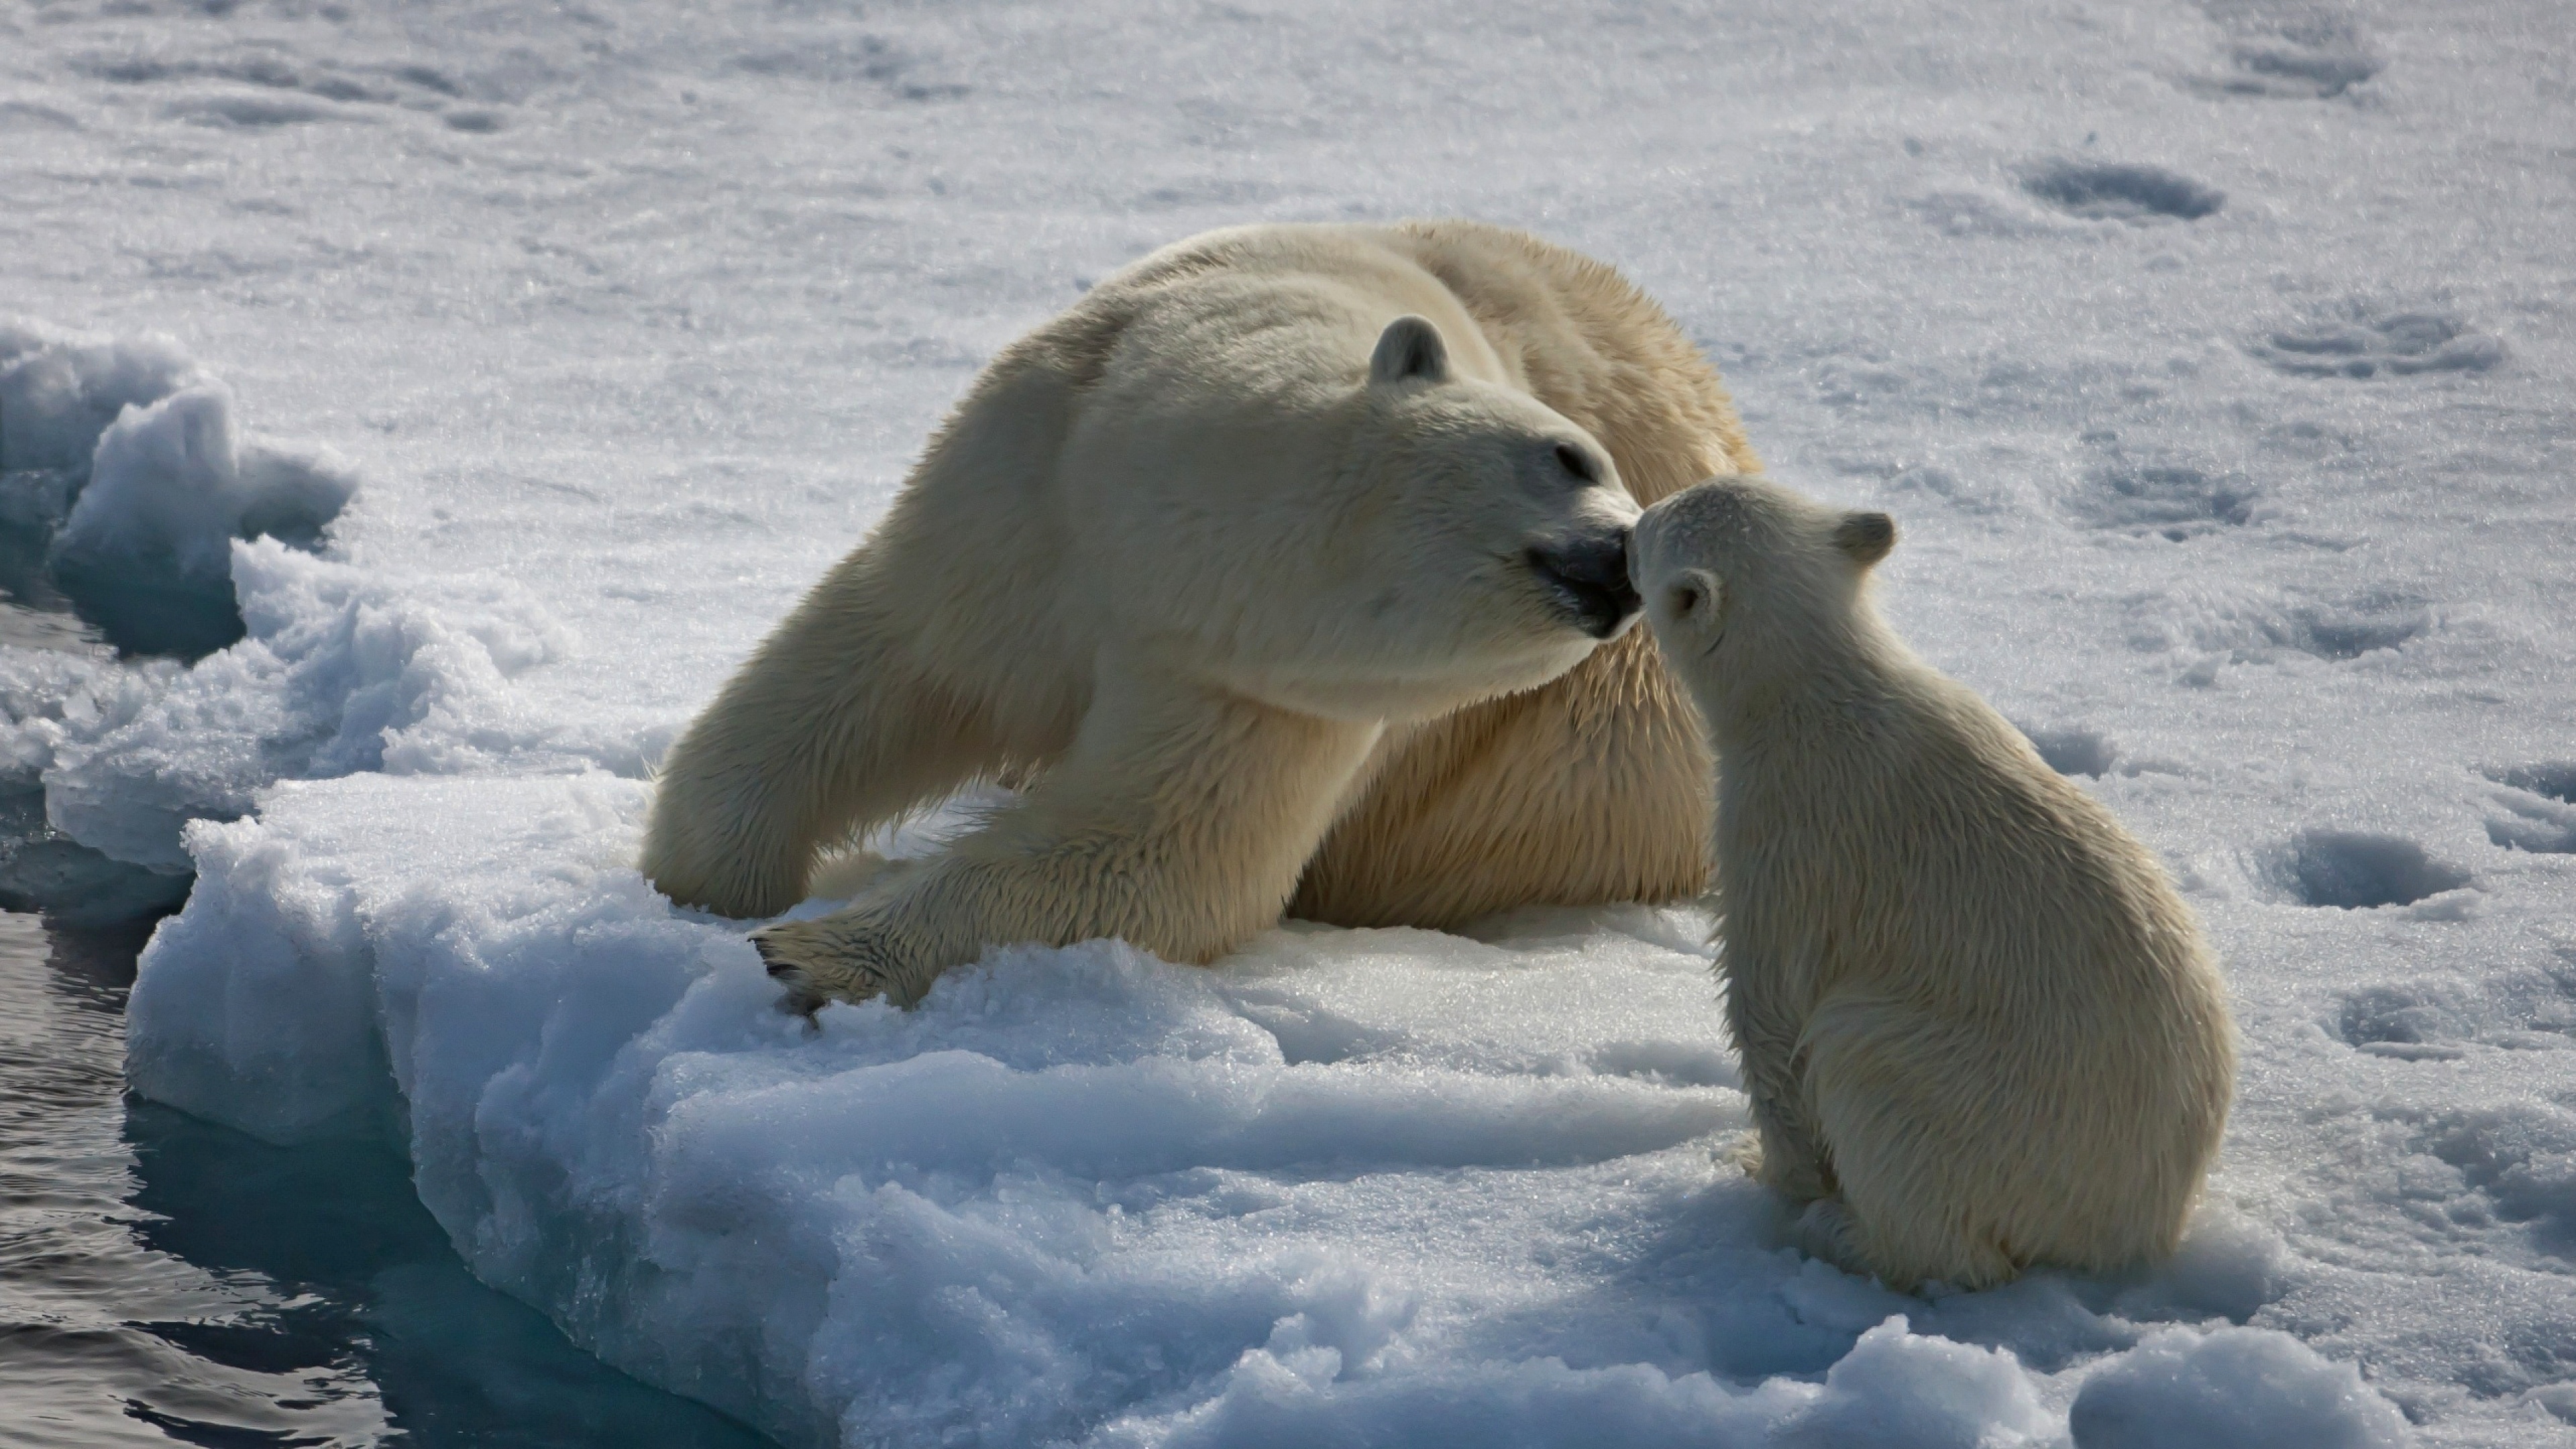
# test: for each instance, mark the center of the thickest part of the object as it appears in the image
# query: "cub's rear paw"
(1741, 1151)
(823, 961)
(1825, 1231)
(1790, 1174)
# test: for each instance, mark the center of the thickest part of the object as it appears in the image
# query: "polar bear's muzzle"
(1588, 579)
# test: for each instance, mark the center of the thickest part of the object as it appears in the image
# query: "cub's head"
(1744, 580)
(1491, 531)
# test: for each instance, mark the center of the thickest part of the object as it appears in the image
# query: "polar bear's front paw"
(823, 961)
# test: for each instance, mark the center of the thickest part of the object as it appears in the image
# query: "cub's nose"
(1588, 576)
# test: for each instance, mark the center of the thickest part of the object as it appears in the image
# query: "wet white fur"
(1979, 1028)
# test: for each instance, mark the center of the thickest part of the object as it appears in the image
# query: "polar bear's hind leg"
(1920, 1162)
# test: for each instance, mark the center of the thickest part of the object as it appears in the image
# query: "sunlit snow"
(509, 369)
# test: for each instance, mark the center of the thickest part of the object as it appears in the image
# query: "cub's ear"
(1865, 536)
(1410, 349)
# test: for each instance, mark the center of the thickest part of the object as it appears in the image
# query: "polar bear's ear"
(1410, 349)
(1865, 536)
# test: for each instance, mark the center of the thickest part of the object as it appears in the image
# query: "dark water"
(166, 1281)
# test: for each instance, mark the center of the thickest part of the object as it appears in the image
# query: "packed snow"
(492, 377)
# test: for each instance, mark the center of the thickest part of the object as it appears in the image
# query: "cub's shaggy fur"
(1236, 568)
(1979, 1028)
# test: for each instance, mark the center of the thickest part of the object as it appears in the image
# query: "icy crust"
(340, 672)
(59, 390)
(120, 468)
(125, 494)
(1363, 1187)
(2235, 1386)
(169, 489)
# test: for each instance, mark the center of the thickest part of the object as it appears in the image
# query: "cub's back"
(1935, 858)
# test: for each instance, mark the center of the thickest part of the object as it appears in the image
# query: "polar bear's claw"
(816, 965)
(801, 998)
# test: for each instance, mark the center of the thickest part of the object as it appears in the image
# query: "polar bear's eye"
(1573, 460)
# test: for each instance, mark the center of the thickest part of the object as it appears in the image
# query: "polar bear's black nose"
(1589, 576)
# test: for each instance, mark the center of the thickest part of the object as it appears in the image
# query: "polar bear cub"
(1979, 1028)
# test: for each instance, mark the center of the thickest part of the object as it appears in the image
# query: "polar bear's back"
(1940, 861)
(1570, 331)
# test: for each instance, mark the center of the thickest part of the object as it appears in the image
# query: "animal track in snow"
(2363, 345)
(2521, 1159)
(2435, 1018)
(279, 91)
(2121, 191)
(2250, 626)
(2351, 870)
(2289, 66)
(2540, 809)
(2356, 626)
(2177, 502)
(2408, 1023)
(2557, 781)
(868, 59)
(2299, 57)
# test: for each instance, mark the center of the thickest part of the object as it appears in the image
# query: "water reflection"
(163, 1279)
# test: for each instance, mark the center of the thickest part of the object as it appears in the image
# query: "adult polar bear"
(1275, 568)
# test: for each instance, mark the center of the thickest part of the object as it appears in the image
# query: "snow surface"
(2215, 361)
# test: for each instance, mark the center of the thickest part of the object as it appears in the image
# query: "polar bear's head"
(1746, 583)
(1475, 542)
